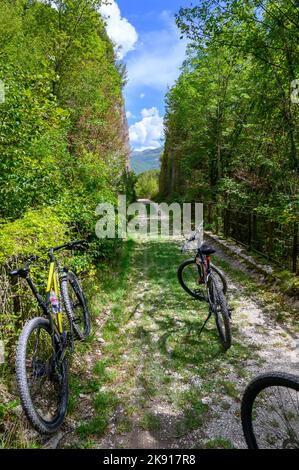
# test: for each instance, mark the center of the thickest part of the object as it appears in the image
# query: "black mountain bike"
(204, 281)
(270, 412)
(41, 363)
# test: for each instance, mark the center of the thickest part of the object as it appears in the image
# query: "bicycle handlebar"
(69, 246)
(23, 272)
(189, 240)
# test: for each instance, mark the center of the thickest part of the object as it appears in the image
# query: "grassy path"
(147, 380)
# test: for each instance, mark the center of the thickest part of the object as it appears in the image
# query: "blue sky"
(150, 45)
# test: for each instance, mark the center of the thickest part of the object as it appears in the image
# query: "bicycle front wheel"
(42, 381)
(75, 305)
(220, 308)
(191, 278)
(270, 412)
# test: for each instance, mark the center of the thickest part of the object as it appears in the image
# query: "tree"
(231, 128)
(147, 186)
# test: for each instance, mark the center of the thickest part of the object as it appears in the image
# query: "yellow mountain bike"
(41, 364)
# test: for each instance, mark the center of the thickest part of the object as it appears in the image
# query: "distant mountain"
(146, 160)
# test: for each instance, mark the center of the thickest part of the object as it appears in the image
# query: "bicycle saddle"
(206, 250)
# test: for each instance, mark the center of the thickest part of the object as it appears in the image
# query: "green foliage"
(219, 443)
(104, 405)
(128, 185)
(63, 142)
(30, 145)
(147, 185)
(288, 283)
(230, 389)
(150, 422)
(6, 408)
(32, 234)
(231, 128)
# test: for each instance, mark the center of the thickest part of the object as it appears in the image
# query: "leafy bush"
(147, 185)
(32, 234)
(63, 141)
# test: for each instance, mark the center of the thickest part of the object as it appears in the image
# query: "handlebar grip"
(13, 273)
(33, 258)
(23, 272)
(69, 246)
(76, 244)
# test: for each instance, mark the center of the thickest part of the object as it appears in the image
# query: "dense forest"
(63, 135)
(121, 357)
(63, 140)
(232, 127)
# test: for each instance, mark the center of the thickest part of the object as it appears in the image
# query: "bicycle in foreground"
(41, 362)
(202, 280)
(270, 412)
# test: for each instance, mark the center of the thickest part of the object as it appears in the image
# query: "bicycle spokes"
(43, 376)
(276, 417)
(76, 304)
(194, 279)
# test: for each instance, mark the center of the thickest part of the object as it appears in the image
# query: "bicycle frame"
(60, 337)
(53, 284)
(204, 262)
(45, 304)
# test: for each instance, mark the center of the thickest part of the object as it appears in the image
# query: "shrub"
(147, 185)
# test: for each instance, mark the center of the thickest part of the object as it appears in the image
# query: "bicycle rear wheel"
(270, 412)
(75, 305)
(191, 279)
(220, 308)
(42, 381)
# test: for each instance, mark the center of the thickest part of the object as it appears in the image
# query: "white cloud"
(158, 57)
(142, 95)
(120, 31)
(130, 115)
(148, 132)
(149, 112)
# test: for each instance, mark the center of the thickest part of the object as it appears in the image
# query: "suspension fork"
(205, 265)
(63, 274)
(200, 266)
(211, 308)
(54, 284)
